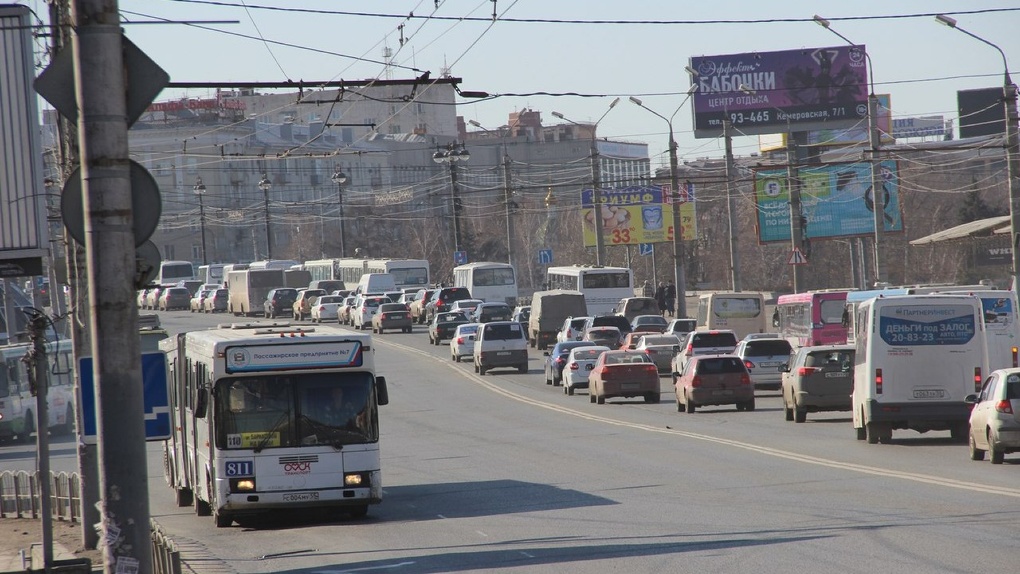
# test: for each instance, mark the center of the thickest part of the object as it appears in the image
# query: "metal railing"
(19, 495)
(166, 557)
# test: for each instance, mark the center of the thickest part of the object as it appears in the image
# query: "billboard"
(836, 199)
(982, 112)
(638, 214)
(919, 127)
(23, 233)
(857, 135)
(793, 90)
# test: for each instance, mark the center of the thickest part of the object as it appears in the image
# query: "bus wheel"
(222, 519)
(861, 433)
(202, 507)
(68, 426)
(27, 428)
(359, 511)
(182, 497)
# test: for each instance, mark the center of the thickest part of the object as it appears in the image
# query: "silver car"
(580, 362)
(995, 418)
(763, 357)
(660, 349)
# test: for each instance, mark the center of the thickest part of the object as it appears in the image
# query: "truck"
(548, 311)
(249, 288)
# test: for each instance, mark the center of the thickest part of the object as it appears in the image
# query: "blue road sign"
(545, 256)
(156, 393)
(459, 257)
(645, 248)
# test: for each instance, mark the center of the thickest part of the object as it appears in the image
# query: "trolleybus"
(18, 404)
(491, 282)
(406, 272)
(603, 287)
(811, 318)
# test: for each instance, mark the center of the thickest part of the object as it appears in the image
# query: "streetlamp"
(340, 178)
(452, 155)
(508, 193)
(877, 191)
(265, 185)
(596, 183)
(1012, 147)
(199, 190)
(679, 256)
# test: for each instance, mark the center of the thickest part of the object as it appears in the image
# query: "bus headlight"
(242, 485)
(355, 479)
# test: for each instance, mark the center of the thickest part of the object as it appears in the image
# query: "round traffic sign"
(145, 203)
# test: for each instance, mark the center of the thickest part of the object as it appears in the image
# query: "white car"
(325, 308)
(572, 329)
(366, 308)
(995, 418)
(462, 343)
(580, 362)
(466, 306)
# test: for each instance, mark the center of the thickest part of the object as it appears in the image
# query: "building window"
(196, 252)
(168, 252)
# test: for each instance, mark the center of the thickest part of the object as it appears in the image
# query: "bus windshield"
(500, 276)
(295, 410)
(409, 277)
(605, 280)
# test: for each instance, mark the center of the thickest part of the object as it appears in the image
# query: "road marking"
(768, 451)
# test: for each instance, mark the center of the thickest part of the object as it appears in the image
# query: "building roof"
(971, 229)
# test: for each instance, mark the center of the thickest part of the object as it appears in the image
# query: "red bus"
(812, 318)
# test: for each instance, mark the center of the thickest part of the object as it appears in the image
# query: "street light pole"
(339, 178)
(452, 155)
(874, 141)
(264, 185)
(600, 244)
(1012, 148)
(199, 190)
(508, 193)
(679, 254)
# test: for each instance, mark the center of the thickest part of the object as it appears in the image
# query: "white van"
(917, 358)
(500, 344)
(376, 283)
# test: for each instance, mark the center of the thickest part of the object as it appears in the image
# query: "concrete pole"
(877, 191)
(596, 190)
(796, 209)
(40, 369)
(9, 310)
(110, 251)
(508, 198)
(731, 208)
(1013, 171)
(679, 253)
(455, 199)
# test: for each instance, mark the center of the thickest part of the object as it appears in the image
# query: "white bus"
(603, 287)
(273, 417)
(740, 311)
(248, 289)
(281, 264)
(211, 274)
(1002, 331)
(917, 357)
(491, 282)
(170, 272)
(18, 404)
(406, 272)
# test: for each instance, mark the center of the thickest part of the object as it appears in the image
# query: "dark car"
(279, 301)
(556, 360)
(714, 380)
(175, 298)
(216, 301)
(488, 312)
(649, 323)
(392, 316)
(443, 326)
(618, 321)
(442, 298)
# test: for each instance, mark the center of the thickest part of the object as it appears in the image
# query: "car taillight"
(977, 379)
(745, 379)
(690, 349)
(652, 369)
(559, 360)
(1004, 407)
(749, 364)
(574, 366)
(460, 340)
(649, 352)
(804, 371)
(604, 371)
(696, 381)
(878, 381)
(322, 308)
(1014, 350)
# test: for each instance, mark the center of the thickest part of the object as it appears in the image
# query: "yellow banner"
(634, 224)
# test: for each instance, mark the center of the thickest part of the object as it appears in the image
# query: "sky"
(539, 47)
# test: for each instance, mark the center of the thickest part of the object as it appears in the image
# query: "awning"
(980, 228)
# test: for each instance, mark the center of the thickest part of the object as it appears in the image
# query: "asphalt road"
(504, 473)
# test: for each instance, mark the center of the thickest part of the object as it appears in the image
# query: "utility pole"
(508, 198)
(731, 207)
(110, 250)
(796, 209)
(877, 189)
(38, 373)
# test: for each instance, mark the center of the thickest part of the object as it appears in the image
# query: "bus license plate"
(929, 393)
(300, 496)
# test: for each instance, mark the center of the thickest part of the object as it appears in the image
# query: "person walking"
(660, 297)
(670, 298)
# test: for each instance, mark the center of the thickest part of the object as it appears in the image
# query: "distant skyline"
(539, 47)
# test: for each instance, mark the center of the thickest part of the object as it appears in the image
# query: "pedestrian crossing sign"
(797, 257)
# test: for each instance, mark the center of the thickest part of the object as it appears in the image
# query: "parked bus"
(170, 272)
(18, 404)
(406, 272)
(211, 274)
(741, 311)
(491, 282)
(248, 289)
(917, 357)
(273, 418)
(603, 287)
(811, 318)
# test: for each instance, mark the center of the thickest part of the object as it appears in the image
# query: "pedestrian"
(660, 297)
(646, 289)
(670, 298)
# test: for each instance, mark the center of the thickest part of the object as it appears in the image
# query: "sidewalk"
(32, 558)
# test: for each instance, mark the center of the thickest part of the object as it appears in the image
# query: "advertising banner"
(857, 135)
(836, 199)
(638, 214)
(791, 90)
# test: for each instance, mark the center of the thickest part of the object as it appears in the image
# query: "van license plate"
(835, 374)
(502, 353)
(929, 394)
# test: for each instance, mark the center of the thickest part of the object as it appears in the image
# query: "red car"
(714, 380)
(623, 374)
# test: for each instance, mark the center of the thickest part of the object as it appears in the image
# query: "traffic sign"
(646, 248)
(797, 257)
(459, 257)
(545, 256)
(155, 391)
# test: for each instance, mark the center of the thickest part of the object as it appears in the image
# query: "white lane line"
(768, 451)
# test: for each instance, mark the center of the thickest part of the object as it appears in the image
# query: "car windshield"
(763, 347)
(588, 354)
(387, 307)
(503, 331)
(329, 299)
(715, 340)
(624, 358)
(450, 317)
(662, 341)
(720, 365)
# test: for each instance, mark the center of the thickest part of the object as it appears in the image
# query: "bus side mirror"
(845, 320)
(775, 318)
(381, 393)
(201, 402)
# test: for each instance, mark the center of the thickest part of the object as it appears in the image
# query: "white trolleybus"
(18, 404)
(603, 287)
(491, 282)
(271, 417)
(407, 273)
